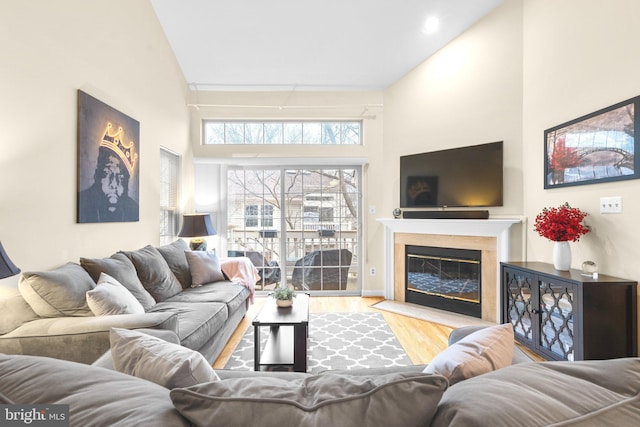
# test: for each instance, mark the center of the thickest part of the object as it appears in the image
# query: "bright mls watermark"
(34, 415)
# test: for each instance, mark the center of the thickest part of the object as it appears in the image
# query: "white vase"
(561, 256)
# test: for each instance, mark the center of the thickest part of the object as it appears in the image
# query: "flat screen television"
(459, 177)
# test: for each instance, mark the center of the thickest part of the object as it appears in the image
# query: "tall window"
(169, 184)
(303, 222)
(277, 132)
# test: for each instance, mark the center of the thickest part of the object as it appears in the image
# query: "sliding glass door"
(299, 226)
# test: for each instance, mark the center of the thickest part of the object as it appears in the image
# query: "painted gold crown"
(113, 141)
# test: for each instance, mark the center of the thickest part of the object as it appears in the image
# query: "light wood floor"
(421, 340)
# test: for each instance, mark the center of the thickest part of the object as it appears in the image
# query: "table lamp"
(197, 226)
(7, 268)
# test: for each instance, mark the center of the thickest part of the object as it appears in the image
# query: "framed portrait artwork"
(598, 147)
(108, 163)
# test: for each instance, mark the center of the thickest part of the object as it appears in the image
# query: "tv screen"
(458, 177)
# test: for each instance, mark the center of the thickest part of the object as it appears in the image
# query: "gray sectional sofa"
(49, 316)
(585, 393)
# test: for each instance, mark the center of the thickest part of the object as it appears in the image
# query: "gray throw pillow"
(96, 397)
(594, 393)
(173, 253)
(154, 273)
(204, 267)
(480, 352)
(59, 292)
(110, 297)
(122, 269)
(401, 399)
(153, 359)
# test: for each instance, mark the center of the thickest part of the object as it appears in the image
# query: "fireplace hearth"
(444, 278)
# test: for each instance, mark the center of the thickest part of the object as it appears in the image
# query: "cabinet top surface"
(573, 274)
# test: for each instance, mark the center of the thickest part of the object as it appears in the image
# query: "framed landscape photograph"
(108, 163)
(598, 147)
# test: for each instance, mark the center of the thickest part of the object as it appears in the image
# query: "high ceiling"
(308, 44)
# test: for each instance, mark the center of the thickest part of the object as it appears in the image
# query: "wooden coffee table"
(286, 347)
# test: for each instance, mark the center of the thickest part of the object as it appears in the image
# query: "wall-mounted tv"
(459, 177)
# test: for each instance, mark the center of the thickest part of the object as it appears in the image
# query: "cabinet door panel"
(519, 304)
(557, 318)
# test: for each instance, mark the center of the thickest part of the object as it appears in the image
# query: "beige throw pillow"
(110, 297)
(400, 399)
(204, 267)
(153, 359)
(478, 353)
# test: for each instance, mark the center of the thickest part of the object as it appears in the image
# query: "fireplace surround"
(489, 236)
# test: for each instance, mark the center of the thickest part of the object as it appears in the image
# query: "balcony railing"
(298, 243)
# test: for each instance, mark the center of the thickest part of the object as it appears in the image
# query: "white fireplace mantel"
(494, 227)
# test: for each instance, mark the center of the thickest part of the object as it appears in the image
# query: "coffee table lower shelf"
(278, 351)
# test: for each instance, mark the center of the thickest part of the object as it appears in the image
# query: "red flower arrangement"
(561, 224)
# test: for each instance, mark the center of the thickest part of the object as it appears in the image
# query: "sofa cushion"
(154, 273)
(482, 351)
(96, 397)
(174, 254)
(122, 269)
(586, 393)
(197, 322)
(387, 400)
(167, 364)
(58, 292)
(110, 297)
(14, 310)
(204, 267)
(229, 293)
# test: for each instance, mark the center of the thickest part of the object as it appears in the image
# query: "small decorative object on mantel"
(397, 212)
(283, 296)
(561, 225)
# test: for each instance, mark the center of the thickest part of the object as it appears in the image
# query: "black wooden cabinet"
(564, 315)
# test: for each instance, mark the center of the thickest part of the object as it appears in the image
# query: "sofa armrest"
(457, 334)
(79, 339)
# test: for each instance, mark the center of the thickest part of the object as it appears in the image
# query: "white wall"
(468, 93)
(580, 56)
(114, 50)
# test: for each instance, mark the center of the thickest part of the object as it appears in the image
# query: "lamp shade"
(196, 225)
(7, 268)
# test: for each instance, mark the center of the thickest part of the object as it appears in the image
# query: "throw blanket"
(241, 270)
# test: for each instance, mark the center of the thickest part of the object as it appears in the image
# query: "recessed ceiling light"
(430, 25)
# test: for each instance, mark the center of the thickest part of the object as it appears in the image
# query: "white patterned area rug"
(337, 341)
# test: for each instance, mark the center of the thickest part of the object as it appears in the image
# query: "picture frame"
(595, 148)
(108, 163)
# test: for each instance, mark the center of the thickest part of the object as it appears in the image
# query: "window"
(276, 132)
(169, 177)
(253, 218)
(304, 222)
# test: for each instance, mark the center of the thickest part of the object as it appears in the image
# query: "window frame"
(170, 215)
(288, 135)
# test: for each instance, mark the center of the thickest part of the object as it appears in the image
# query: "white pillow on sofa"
(153, 359)
(111, 297)
(480, 352)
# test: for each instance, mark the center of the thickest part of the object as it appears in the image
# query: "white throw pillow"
(153, 359)
(480, 352)
(111, 297)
